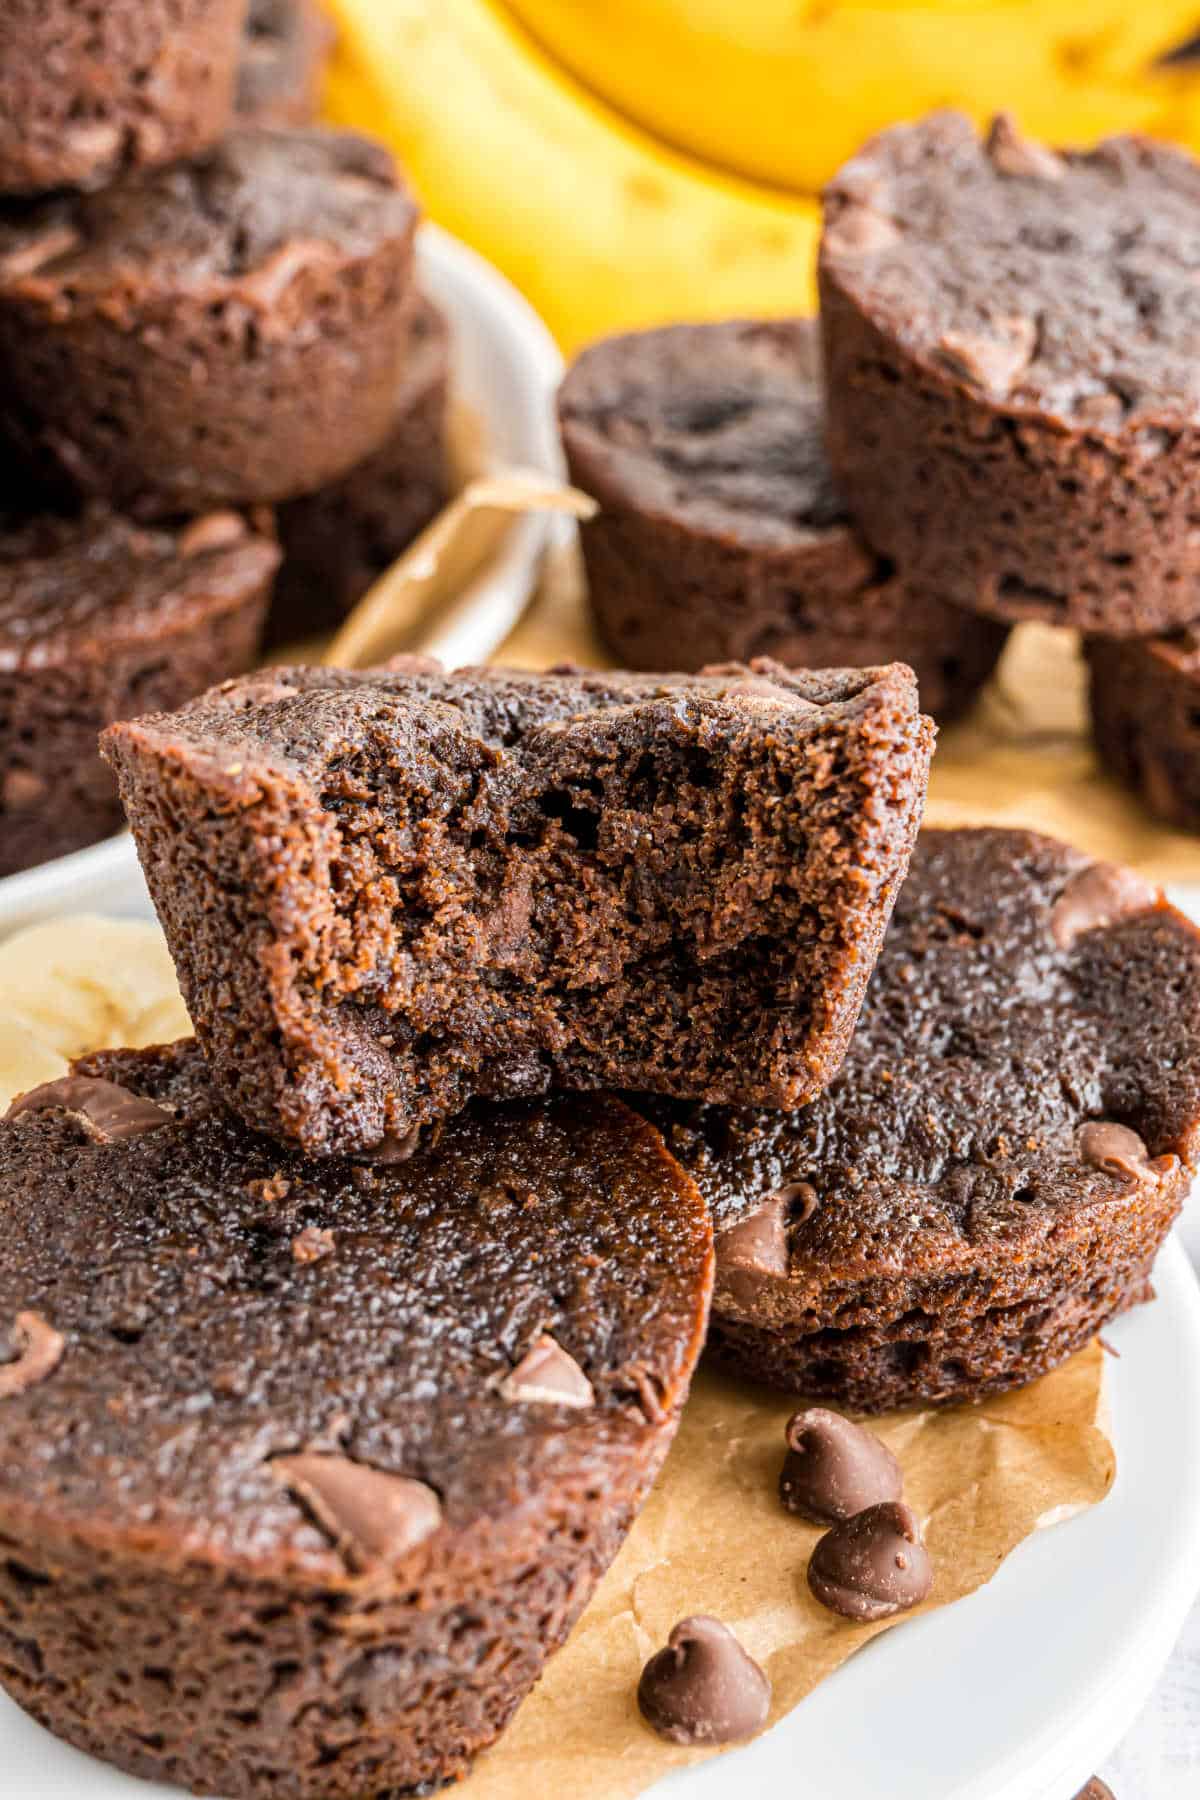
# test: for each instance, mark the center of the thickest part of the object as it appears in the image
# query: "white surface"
(1014, 1694)
(506, 368)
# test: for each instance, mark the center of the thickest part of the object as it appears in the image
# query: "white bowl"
(506, 368)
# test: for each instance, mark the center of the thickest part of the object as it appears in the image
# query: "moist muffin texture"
(721, 535)
(101, 619)
(338, 541)
(937, 1226)
(1012, 350)
(179, 1594)
(1145, 704)
(223, 332)
(388, 891)
(88, 91)
(283, 60)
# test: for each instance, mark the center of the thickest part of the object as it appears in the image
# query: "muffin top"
(719, 427)
(1062, 283)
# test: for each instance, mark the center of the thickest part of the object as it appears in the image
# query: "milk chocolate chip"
(872, 1565)
(991, 360)
(39, 1351)
(109, 1111)
(860, 230)
(1099, 895)
(372, 1517)
(1118, 1151)
(546, 1374)
(1014, 154)
(834, 1468)
(1095, 1790)
(755, 1250)
(703, 1688)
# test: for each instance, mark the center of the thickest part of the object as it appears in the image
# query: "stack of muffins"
(215, 370)
(1001, 395)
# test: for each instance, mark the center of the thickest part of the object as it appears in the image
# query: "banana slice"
(89, 983)
(25, 1062)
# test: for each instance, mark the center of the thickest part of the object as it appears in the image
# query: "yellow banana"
(598, 223)
(784, 92)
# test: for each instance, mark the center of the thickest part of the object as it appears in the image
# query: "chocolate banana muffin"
(721, 535)
(223, 332)
(101, 619)
(989, 1179)
(1145, 703)
(386, 892)
(306, 1469)
(1012, 349)
(89, 91)
(338, 541)
(282, 69)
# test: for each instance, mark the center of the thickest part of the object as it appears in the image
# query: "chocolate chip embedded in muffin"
(338, 541)
(720, 534)
(284, 54)
(704, 1688)
(224, 332)
(1005, 1148)
(101, 619)
(86, 92)
(281, 1490)
(1145, 705)
(873, 1565)
(386, 892)
(1013, 370)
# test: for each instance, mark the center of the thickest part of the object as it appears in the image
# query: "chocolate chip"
(703, 1688)
(39, 1351)
(547, 1375)
(21, 789)
(1095, 1789)
(859, 230)
(754, 1251)
(1100, 895)
(391, 1149)
(1116, 1150)
(1014, 154)
(109, 1112)
(872, 1565)
(372, 1517)
(312, 1245)
(834, 1468)
(991, 360)
(213, 531)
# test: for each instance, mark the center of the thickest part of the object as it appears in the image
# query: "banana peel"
(656, 160)
(601, 226)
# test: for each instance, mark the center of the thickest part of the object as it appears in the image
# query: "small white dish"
(506, 368)
(1017, 1693)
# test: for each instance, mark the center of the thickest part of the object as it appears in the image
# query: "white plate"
(1017, 1693)
(506, 368)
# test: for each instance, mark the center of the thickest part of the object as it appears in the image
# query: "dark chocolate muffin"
(1145, 701)
(305, 1469)
(226, 331)
(338, 541)
(282, 68)
(100, 620)
(720, 534)
(87, 91)
(990, 1177)
(388, 891)
(1012, 346)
